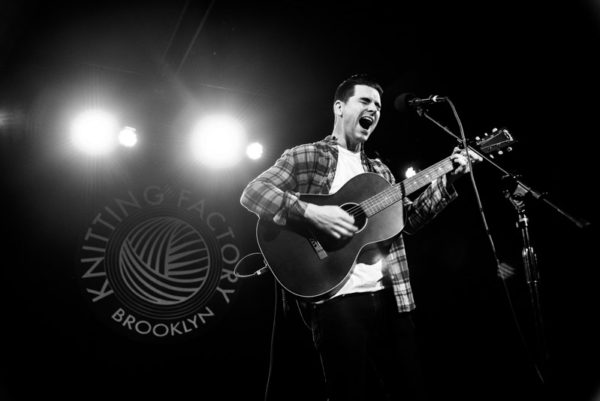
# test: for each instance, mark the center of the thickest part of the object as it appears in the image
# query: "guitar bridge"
(317, 247)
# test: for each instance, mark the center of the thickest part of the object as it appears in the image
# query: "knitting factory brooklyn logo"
(158, 264)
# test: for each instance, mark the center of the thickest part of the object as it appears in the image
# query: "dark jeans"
(368, 349)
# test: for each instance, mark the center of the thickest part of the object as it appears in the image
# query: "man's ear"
(338, 108)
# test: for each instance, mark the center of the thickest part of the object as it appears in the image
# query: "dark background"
(528, 66)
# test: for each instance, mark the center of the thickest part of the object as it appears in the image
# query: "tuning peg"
(500, 152)
(491, 156)
(494, 129)
(477, 138)
(509, 149)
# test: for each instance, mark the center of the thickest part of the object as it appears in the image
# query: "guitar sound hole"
(360, 218)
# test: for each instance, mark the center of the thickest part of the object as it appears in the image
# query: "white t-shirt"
(363, 277)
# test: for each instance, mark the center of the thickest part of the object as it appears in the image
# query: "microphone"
(407, 101)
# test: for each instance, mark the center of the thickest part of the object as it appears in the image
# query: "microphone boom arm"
(580, 223)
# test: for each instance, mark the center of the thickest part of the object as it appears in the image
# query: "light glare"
(254, 151)
(94, 132)
(128, 137)
(217, 141)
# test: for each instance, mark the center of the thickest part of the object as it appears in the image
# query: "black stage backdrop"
(80, 236)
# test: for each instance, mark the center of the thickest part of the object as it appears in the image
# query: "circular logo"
(159, 265)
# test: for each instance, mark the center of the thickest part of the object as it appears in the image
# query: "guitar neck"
(397, 192)
(419, 180)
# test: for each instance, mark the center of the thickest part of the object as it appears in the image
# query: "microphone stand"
(532, 277)
(580, 223)
(517, 198)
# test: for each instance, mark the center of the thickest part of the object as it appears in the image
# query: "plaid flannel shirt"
(310, 168)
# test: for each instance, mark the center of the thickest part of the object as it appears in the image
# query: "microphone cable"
(272, 340)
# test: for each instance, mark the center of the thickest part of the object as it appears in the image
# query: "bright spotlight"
(410, 172)
(94, 132)
(254, 151)
(217, 141)
(128, 137)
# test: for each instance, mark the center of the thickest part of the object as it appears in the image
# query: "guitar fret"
(397, 192)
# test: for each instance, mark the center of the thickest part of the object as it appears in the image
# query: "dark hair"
(345, 90)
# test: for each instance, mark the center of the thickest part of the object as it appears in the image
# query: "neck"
(351, 147)
(344, 142)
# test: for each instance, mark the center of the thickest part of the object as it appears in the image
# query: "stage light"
(94, 132)
(254, 151)
(217, 141)
(128, 137)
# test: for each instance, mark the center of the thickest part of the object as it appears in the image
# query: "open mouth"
(366, 121)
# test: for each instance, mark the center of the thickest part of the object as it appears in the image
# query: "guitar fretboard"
(395, 193)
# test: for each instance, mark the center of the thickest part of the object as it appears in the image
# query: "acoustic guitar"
(310, 264)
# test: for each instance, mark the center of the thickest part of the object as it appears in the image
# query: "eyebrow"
(369, 99)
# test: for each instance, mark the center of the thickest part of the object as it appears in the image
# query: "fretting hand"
(460, 163)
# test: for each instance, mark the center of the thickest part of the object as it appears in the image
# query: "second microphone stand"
(516, 196)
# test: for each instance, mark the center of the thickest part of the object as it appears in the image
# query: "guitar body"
(311, 264)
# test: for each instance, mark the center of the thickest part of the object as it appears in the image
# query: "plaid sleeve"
(427, 205)
(383, 170)
(272, 194)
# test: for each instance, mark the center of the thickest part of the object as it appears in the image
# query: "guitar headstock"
(496, 142)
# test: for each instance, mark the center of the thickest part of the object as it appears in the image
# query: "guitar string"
(368, 203)
(388, 193)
